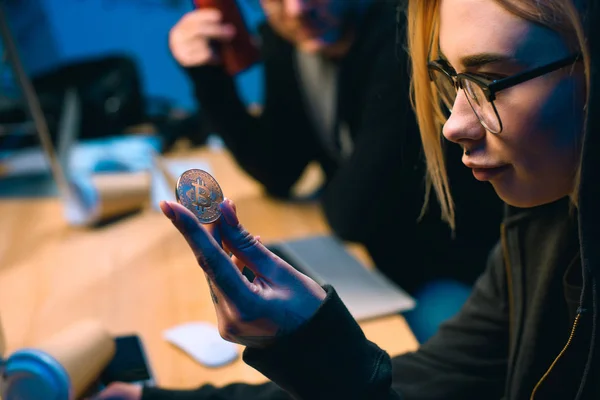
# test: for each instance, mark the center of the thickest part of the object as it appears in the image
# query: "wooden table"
(137, 275)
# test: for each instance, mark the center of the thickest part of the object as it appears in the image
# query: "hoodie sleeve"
(330, 358)
(236, 391)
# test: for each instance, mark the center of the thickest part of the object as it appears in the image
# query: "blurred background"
(54, 33)
(115, 54)
(97, 121)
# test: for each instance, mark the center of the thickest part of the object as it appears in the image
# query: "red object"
(240, 53)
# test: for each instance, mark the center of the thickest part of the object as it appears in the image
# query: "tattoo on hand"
(213, 296)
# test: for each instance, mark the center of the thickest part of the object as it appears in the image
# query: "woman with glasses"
(514, 82)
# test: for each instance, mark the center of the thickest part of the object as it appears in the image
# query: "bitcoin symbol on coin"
(200, 193)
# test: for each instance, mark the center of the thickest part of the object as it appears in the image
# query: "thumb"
(246, 247)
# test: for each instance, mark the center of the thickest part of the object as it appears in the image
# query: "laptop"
(367, 293)
(69, 120)
(84, 203)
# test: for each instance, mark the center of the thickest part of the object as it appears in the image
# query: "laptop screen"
(33, 106)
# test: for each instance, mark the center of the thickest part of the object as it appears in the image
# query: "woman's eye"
(490, 76)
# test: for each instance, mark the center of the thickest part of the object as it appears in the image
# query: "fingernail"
(228, 213)
(167, 210)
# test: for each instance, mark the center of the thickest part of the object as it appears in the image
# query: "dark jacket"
(501, 344)
(381, 185)
(529, 326)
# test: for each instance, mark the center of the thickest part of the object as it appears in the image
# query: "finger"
(242, 244)
(196, 49)
(203, 16)
(238, 263)
(257, 237)
(208, 252)
(197, 54)
(214, 230)
(220, 32)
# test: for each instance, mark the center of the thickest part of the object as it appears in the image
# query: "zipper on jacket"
(537, 386)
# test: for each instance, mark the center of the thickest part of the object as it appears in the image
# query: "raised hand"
(189, 39)
(279, 299)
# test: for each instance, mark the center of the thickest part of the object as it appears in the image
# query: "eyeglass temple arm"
(534, 73)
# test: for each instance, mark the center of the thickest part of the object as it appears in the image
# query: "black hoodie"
(519, 336)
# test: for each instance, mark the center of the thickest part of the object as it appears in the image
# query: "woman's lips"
(487, 174)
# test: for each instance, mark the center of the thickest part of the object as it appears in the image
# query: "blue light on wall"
(55, 32)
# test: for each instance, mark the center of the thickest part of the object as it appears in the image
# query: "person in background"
(337, 92)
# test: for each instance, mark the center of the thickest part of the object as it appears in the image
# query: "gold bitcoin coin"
(200, 193)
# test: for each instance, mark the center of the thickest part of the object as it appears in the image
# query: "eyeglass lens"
(485, 110)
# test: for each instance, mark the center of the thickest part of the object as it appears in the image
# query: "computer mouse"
(202, 341)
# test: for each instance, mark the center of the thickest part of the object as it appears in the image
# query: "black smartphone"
(130, 363)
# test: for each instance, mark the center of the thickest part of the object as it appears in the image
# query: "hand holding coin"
(277, 301)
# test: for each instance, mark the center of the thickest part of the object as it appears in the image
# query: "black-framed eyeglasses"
(480, 90)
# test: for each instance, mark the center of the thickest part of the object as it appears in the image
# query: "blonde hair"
(561, 16)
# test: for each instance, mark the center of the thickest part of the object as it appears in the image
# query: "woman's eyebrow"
(474, 61)
(481, 59)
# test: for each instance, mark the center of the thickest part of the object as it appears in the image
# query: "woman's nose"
(463, 125)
